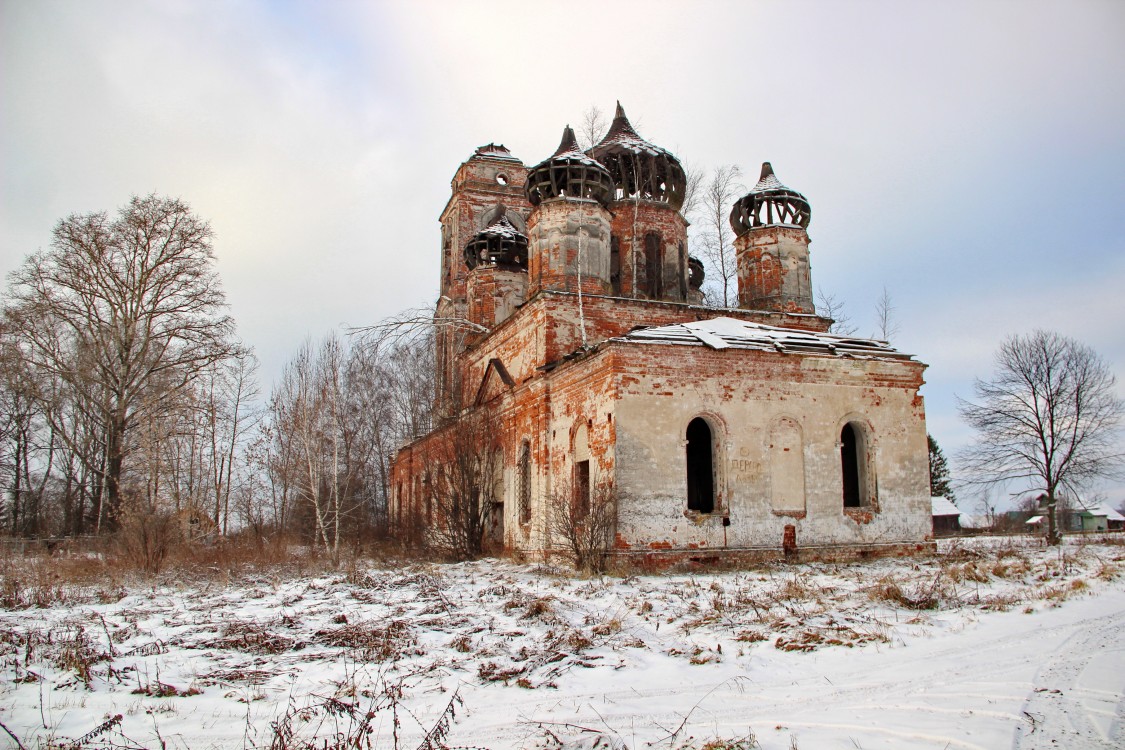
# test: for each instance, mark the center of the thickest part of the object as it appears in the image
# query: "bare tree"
(693, 190)
(334, 421)
(987, 509)
(584, 519)
(125, 313)
(307, 405)
(832, 307)
(592, 127)
(435, 333)
(28, 448)
(716, 238)
(1049, 417)
(461, 488)
(411, 328)
(228, 394)
(399, 368)
(885, 317)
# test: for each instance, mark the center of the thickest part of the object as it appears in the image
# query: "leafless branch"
(1049, 418)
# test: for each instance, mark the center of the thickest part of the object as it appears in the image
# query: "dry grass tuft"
(971, 570)
(371, 643)
(751, 636)
(250, 637)
(888, 590)
(812, 638)
(78, 652)
(1107, 571)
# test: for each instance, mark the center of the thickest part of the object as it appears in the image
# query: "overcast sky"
(968, 157)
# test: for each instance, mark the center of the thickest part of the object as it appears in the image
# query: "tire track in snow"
(1058, 712)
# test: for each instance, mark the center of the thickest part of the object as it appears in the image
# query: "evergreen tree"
(940, 482)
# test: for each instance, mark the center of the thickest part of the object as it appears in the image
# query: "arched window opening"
(523, 482)
(700, 467)
(852, 464)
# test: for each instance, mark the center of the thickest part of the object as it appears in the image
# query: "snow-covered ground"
(990, 644)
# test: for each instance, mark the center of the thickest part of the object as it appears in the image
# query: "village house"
(570, 313)
(946, 517)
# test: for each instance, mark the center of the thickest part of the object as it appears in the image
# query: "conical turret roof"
(768, 180)
(640, 170)
(568, 146)
(622, 132)
(568, 173)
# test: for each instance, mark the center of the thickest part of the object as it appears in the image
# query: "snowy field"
(993, 643)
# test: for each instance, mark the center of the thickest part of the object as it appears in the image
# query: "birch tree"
(716, 238)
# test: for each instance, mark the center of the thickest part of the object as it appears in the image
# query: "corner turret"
(772, 247)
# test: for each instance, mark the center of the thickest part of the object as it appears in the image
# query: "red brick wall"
(632, 221)
(770, 275)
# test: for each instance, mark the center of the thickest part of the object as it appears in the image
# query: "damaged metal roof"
(730, 333)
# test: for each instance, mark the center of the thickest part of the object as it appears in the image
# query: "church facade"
(570, 313)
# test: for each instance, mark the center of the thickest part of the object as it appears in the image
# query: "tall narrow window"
(851, 465)
(428, 499)
(682, 272)
(700, 467)
(523, 482)
(654, 271)
(581, 471)
(581, 489)
(615, 265)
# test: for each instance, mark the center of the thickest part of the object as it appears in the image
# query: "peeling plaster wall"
(636, 402)
(745, 395)
(560, 231)
(773, 269)
(494, 294)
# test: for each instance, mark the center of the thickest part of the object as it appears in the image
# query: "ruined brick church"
(745, 432)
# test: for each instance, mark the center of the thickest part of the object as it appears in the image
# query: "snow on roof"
(977, 521)
(570, 153)
(1034, 520)
(942, 506)
(1111, 514)
(502, 227)
(1105, 510)
(622, 133)
(494, 150)
(768, 181)
(729, 333)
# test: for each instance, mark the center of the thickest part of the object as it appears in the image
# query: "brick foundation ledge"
(734, 557)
